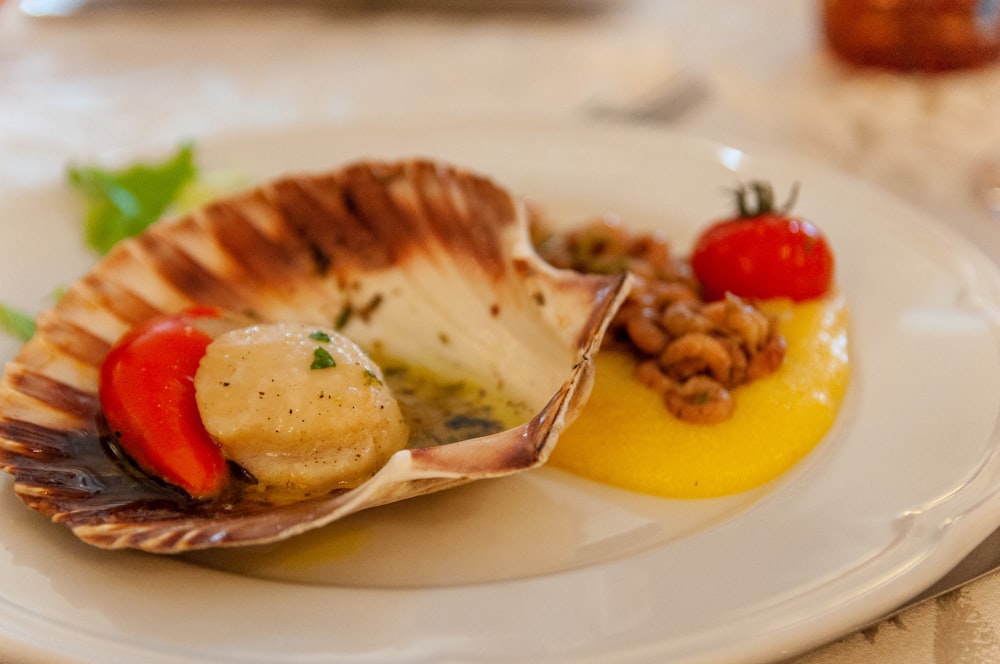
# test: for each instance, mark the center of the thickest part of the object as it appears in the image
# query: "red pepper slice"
(147, 394)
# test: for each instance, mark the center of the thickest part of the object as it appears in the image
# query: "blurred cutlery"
(667, 102)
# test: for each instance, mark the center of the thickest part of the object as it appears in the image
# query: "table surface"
(116, 73)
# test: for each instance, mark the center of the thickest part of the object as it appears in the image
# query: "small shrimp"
(659, 294)
(645, 333)
(740, 362)
(600, 246)
(682, 318)
(700, 400)
(768, 359)
(652, 251)
(694, 353)
(733, 315)
(650, 375)
(671, 292)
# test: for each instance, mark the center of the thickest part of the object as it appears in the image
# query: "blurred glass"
(913, 35)
(51, 7)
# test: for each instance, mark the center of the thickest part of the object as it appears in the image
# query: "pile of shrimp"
(691, 352)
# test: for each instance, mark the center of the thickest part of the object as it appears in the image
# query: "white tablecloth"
(123, 74)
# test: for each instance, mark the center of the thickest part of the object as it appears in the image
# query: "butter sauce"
(441, 411)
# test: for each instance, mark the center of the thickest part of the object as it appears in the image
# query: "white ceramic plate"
(545, 567)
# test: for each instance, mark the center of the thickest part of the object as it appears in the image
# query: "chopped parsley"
(319, 335)
(322, 359)
(344, 317)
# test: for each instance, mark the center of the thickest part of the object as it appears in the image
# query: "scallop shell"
(435, 262)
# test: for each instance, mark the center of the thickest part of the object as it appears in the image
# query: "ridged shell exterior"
(435, 261)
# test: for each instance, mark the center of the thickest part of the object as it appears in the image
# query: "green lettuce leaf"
(16, 323)
(122, 203)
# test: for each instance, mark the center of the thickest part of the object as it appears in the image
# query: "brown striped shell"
(435, 262)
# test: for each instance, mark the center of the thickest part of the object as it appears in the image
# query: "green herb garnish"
(319, 335)
(345, 315)
(122, 203)
(16, 323)
(322, 359)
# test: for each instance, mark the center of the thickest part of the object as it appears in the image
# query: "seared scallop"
(302, 409)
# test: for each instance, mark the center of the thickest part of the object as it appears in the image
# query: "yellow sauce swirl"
(625, 437)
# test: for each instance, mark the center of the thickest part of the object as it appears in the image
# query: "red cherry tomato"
(763, 253)
(147, 395)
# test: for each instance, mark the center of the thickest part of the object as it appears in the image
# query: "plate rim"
(925, 566)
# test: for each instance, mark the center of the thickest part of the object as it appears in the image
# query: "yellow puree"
(626, 437)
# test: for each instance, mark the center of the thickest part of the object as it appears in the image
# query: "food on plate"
(709, 390)
(694, 324)
(321, 344)
(429, 269)
(779, 418)
(690, 352)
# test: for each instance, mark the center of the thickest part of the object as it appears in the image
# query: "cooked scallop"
(481, 354)
(297, 424)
